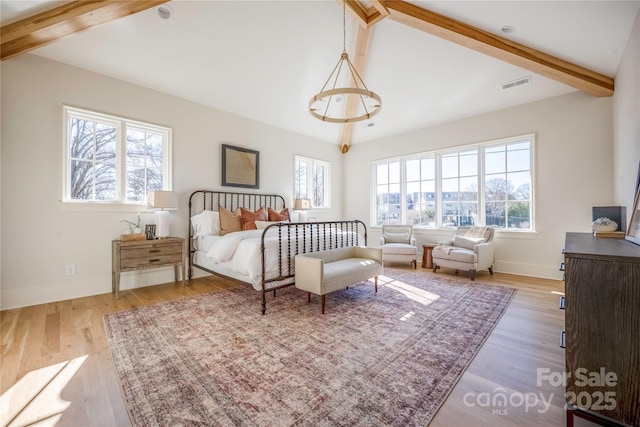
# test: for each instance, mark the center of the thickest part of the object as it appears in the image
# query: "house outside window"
(109, 159)
(485, 184)
(312, 180)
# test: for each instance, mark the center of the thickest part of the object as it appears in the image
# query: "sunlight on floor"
(36, 397)
(410, 291)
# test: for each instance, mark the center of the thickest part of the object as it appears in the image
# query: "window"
(111, 159)
(488, 183)
(313, 181)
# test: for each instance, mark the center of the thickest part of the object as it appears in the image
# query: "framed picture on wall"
(240, 167)
(633, 232)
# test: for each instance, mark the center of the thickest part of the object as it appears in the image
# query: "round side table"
(427, 260)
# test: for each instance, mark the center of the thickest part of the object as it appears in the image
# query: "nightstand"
(142, 254)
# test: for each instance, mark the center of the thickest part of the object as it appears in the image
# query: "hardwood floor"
(57, 367)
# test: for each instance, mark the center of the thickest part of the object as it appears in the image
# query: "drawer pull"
(562, 334)
(561, 303)
(154, 260)
(561, 268)
(154, 251)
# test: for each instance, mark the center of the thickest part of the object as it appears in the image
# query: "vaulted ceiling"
(430, 61)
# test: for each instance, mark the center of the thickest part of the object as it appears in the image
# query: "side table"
(142, 254)
(427, 260)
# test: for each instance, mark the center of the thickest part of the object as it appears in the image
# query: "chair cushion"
(396, 237)
(399, 249)
(456, 254)
(467, 242)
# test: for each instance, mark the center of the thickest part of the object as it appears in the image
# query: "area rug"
(385, 359)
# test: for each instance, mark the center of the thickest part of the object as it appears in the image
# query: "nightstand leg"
(116, 284)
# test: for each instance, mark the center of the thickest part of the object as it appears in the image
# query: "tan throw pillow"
(229, 221)
(283, 215)
(249, 218)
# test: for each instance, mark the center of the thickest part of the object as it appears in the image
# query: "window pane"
(382, 174)
(495, 214)
(428, 168)
(468, 213)
(519, 185)
(81, 144)
(494, 160)
(106, 182)
(413, 170)
(469, 163)
(105, 143)
(519, 215)
(449, 165)
(81, 180)
(495, 187)
(394, 172)
(469, 188)
(450, 188)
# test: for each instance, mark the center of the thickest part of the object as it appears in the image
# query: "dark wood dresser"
(602, 328)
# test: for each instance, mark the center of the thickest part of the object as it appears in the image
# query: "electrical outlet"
(71, 269)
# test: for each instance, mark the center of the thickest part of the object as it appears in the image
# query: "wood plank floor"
(57, 368)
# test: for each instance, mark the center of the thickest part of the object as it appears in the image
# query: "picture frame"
(633, 231)
(150, 231)
(240, 167)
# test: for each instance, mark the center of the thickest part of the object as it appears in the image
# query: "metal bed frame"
(319, 238)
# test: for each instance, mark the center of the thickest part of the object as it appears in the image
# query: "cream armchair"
(398, 244)
(471, 249)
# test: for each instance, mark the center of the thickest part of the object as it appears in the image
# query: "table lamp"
(162, 200)
(301, 205)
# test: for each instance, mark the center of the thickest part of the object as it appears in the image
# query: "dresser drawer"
(150, 261)
(150, 251)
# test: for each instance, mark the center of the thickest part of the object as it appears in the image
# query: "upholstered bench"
(327, 271)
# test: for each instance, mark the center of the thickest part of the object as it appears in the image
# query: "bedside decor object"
(240, 167)
(302, 205)
(162, 200)
(150, 231)
(604, 224)
(617, 214)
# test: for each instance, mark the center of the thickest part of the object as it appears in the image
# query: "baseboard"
(531, 270)
(84, 287)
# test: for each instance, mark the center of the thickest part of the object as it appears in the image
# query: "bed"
(262, 257)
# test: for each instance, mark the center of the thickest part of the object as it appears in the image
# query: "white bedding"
(238, 254)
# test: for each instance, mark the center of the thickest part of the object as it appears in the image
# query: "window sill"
(102, 207)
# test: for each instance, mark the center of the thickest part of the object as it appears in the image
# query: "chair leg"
(414, 262)
(375, 283)
(473, 274)
(435, 267)
(491, 270)
(323, 298)
(308, 297)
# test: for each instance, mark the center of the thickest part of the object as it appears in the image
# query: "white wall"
(573, 172)
(626, 122)
(40, 235)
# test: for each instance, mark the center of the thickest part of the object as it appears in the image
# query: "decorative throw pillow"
(466, 242)
(229, 221)
(249, 218)
(283, 215)
(396, 237)
(206, 223)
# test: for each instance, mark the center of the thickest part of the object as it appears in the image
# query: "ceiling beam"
(69, 18)
(498, 47)
(359, 59)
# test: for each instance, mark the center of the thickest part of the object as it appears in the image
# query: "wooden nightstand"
(142, 254)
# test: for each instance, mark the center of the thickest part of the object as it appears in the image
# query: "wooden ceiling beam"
(46, 27)
(498, 47)
(359, 59)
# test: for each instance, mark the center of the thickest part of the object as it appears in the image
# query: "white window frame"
(480, 147)
(311, 167)
(121, 125)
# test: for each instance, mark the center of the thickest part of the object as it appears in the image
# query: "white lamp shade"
(302, 204)
(162, 199)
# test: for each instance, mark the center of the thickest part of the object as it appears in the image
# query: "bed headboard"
(201, 200)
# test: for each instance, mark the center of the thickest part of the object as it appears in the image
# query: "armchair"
(471, 249)
(398, 244)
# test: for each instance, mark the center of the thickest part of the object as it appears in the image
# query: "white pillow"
(396, 237)
(466, 242)
(206, 223)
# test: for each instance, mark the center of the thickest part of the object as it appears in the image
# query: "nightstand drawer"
(150, 251)
(156, 259)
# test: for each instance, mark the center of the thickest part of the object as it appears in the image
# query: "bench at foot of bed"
(326, 271)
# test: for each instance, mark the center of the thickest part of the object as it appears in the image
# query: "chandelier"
(361, 103)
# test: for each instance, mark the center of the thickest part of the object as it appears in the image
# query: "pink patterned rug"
(385, 359)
